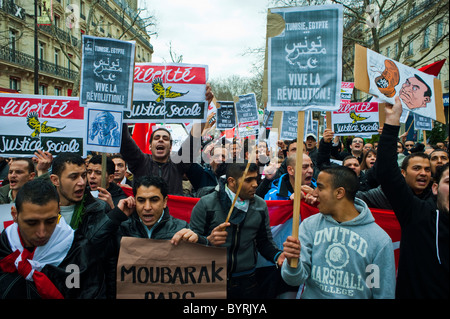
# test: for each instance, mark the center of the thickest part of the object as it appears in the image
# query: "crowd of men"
(62, 215)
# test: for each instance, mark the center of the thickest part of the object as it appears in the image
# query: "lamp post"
(36, 51)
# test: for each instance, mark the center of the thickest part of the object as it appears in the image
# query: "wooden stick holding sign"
(103, 181)
(298, 180)
(251, 159)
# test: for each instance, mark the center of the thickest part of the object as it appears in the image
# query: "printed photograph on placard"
(104, 130)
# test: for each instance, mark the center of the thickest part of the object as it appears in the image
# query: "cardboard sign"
(386, 79)
(107, 72)
(54, 124)
(305, 60)
(356, 119)
(156, 269)
(169, 93)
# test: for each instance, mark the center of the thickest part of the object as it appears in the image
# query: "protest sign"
(384, 78)
(356, 118)
(107, 72)
(347, 91)
(169, 93)
(247, 115)
(268, 118)
(226, 116)
(289, 125)
(52, 124)
(104, 129)
(422, 123)
(156, 269)
(305, 60)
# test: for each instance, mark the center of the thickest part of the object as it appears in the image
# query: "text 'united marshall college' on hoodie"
(353, 259)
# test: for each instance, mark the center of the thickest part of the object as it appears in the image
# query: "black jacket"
(141, 164)
(248, 234)
(90, 254)
(423, 270)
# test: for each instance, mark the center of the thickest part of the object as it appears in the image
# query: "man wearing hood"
(341, 251)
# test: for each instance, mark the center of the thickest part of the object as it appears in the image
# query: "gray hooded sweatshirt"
(353, 259)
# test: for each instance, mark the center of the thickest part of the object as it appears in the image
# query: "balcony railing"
(61, 34)
(27, 61)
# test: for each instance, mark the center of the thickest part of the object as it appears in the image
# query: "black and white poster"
(107, 72)
(226, 116)
(422, 123)
(305, 60)
(247, 115)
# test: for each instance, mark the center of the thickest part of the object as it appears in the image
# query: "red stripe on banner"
(18, 105)
(170, 74)
(281, 210)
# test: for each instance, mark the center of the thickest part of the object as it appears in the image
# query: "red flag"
(280, 211)
(433, 68)
(139, 136)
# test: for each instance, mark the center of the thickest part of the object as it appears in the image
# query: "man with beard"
(423, 269)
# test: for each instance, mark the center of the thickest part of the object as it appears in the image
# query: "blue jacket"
(280, 189)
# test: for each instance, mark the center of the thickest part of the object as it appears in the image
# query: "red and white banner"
(356, 119)
(50, 123)
(169, 93)
(280, 212)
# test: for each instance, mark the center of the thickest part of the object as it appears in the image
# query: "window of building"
(58, 91)
(14, 83)
(43, 89)
(12, 39)
(426, 38)
(410, 50)
(439, 29)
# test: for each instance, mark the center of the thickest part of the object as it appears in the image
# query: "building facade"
(61, 24)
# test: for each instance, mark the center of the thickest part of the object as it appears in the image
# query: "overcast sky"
(211, 32)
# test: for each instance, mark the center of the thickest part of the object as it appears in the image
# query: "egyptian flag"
(29, 264)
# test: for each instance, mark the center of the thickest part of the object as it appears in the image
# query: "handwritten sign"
(54, 124)
(305, 60)
(156, 269)
(356, 118)
(107, 72)
(247, 115)
(169, 93)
